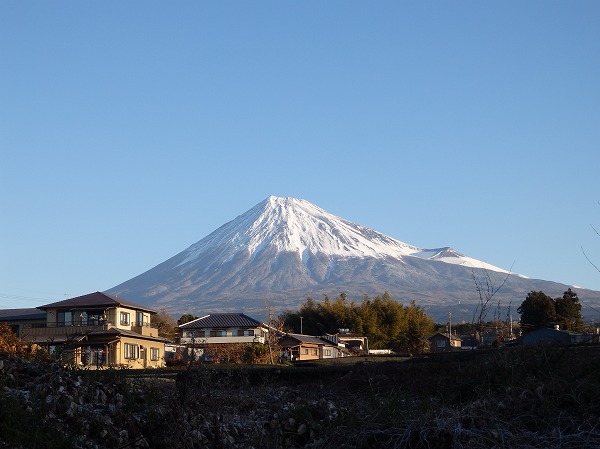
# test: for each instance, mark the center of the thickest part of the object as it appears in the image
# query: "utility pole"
(301, 333)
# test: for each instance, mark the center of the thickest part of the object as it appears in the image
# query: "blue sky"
(130, 130)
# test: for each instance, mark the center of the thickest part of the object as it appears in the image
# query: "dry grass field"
(537, 398)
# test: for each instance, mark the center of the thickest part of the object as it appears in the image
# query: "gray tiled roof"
(97, 299)
(22, 314)
(221, 320)
(310, 339)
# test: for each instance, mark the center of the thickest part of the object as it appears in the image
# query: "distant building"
(444, 342)
(554, 337)
(18, 319)
(352, 342)
(297, 347)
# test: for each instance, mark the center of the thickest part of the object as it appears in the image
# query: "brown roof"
(97, 299)
(114, 333)
(107, 336)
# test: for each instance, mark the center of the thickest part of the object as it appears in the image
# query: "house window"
(194, 334)
(218, 333)
(131, 351)
(245, 332)
(95, 318)
(125, 318)
(64, 318)
(305, 351)
(441, 343)
(154, 354)
(315, 351)
(139, 318)
(328, 352)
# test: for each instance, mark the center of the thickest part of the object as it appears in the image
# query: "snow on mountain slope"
(298, 226)
(448, 255)
(285, 249)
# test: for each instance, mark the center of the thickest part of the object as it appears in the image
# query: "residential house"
(554, 337)
(468, 342)
(444, 342)
(221, 329)
(98, 330)
(352, 342)
(297, 347)
(17, 319)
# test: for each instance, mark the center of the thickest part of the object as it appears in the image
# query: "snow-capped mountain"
(285, 249)
(297, 226)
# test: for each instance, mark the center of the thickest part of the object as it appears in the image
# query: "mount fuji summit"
(283, 250)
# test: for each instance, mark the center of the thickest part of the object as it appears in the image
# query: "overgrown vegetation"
(518, 399)
(543, 397)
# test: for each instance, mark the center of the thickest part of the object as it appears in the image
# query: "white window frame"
(131, 351)
(125, 318)
(154, 354)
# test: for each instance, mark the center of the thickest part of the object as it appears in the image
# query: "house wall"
(141, 357)
(308, 351)
(553, 336)
(328, 352)
(441, 343)
(200, 336)
(51, 317)
(21, 327)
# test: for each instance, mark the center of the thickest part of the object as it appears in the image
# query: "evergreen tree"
(537, 311)
(418, 326)
(186, 318)
(568, 311)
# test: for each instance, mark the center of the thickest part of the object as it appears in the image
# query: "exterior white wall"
(193, 336)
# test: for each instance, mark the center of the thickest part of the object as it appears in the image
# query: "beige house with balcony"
(99, 330)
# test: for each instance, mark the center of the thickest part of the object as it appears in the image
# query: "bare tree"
(586, 256)
(486, 289)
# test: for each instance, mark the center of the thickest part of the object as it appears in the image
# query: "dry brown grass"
(518, 399)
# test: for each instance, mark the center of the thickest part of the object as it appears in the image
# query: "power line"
(22, 298)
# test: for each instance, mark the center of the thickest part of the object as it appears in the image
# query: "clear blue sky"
(130, 130)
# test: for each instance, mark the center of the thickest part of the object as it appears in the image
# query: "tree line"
(386, 323)
(389, 324)
(540, 311)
